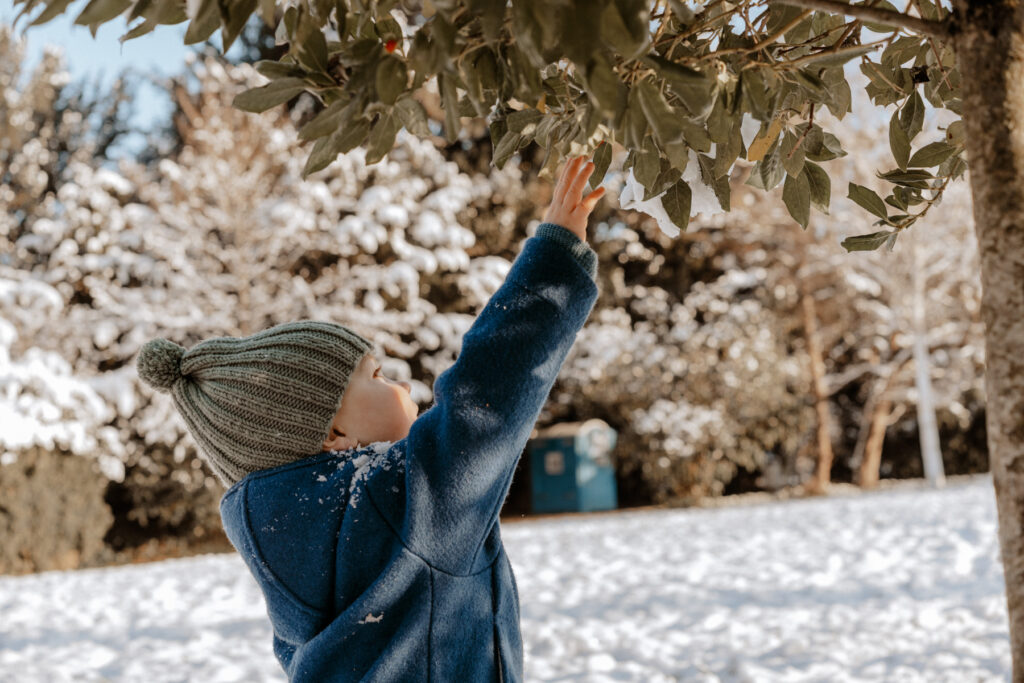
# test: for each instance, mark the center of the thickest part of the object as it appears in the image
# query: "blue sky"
(160, 52)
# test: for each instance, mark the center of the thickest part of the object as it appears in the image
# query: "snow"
(902, 584)
(703, 199)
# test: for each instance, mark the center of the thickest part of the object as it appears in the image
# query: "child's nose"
(405, 385)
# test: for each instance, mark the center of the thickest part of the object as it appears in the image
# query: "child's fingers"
(575, 191)
(561, 176)
(568, 173)
(591, 200)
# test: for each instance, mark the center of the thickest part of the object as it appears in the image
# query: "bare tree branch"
(925, 27)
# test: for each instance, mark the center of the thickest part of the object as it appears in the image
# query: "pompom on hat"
(256, 402)
(159, 364)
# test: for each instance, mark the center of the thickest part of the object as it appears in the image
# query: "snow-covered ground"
(898, 585)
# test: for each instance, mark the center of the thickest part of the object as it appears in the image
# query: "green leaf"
(868, 242)
(931, 154)
(414, 117)
(819, 185)
(901, 50)
(53, 8)
(676, 202)
(391, 78)
(647, 164)
(720, 184)
(810, 82)
(684, 14)
(796, 193)
(663, 119)
(267, 14)
(424, 56)
(260, 99)
(868, 200)
(726, 154)
(382, 136)
(101, 11)
(524, 121)
(605, 90)
(828, 58)
(894, 202)
(899, 143)
(695, 135)
(233, 16)
(617, 30)
(770, 168)
(822, 146)
(780, 15)
(309, 45)
(754, 94)
(327, 121)
(882, 28)
(909, 178)
(203, 24)
(792, 153)
(450, 104)
(912, 115)
(141, 29)
(492, 16)
(693, 88)
(327, 149)
(634, 123)
(667, 175)
(507, 146)
(720, 122)
(839, 95)
(602, 159)
(273, 69)
(479, 71)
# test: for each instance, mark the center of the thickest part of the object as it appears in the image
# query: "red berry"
(390, 45)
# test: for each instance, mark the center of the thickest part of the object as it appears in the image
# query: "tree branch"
(934, 29)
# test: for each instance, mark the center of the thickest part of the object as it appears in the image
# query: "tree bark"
(869, 466)
(927, 424)
(823, 474)
(989, 40)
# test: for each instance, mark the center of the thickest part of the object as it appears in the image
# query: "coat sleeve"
(462, 451)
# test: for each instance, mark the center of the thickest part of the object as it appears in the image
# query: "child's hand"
(566, 208)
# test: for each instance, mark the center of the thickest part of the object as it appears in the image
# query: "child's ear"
(337, 441)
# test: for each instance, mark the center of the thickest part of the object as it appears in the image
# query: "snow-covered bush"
(693, 360)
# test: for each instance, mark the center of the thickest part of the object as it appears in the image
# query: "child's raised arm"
(461, 453)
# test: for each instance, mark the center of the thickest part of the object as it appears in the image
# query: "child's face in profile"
(373, 408)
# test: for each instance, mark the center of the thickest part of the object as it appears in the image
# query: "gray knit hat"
(260, 401)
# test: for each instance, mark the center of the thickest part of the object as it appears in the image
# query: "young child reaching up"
(373, 533)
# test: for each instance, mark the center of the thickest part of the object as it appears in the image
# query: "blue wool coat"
(385, 563)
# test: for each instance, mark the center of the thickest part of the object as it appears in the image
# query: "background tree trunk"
(927, 425)
(869, 466)
(823, 472)
(990, 48)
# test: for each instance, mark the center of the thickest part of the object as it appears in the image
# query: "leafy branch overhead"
(675, 85)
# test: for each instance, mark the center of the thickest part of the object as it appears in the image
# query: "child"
(380, 558)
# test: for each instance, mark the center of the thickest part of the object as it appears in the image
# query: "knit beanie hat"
(256, 402)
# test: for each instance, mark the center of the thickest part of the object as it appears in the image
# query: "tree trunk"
(989, 39)
(927, 425)
(869, 466)
(823, 473)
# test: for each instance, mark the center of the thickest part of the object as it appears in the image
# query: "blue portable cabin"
(571, 467)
